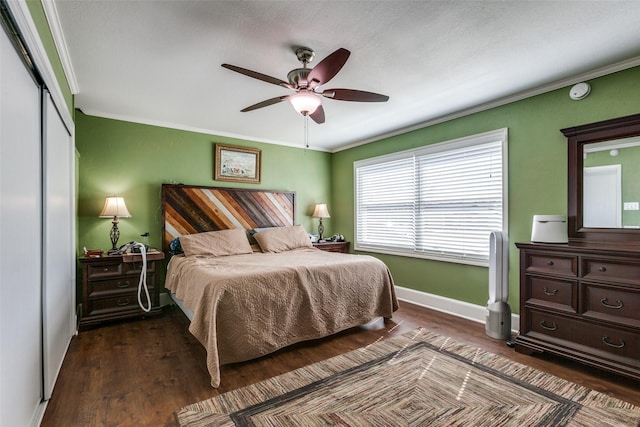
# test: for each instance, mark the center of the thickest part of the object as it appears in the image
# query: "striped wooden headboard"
(188, 209)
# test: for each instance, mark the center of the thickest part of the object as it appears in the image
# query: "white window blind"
(441, 201)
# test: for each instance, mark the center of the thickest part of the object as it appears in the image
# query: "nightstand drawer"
(342, 247)
(104, 269)
(136, 267)
(552, 264)
(553, 293)
(122, 285)
(116, 305)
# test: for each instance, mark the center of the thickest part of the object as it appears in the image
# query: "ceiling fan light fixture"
(305, 102)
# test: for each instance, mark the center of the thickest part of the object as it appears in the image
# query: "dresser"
(110, 287)
(333, 246)
(582, 301)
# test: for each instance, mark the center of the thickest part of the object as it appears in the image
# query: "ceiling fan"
(306, 81)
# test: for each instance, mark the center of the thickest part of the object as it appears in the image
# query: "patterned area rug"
(417, 379)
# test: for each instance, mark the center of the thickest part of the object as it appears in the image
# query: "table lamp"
(321, 211)
(115, 208)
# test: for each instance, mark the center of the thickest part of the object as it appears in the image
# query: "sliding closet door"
(20, 241)
(59, 255)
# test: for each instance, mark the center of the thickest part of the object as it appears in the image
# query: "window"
(441, 201)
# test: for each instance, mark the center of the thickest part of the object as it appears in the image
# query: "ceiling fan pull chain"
(306, 130)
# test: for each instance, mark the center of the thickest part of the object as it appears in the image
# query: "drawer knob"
(105, 269)
(550, 293)
(605, 340)
(618, 306)
(549, 263)
(123, 301)
(123, 284)
(602, 269)
(553, 326)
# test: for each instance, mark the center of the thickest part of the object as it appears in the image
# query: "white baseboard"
(452, 306)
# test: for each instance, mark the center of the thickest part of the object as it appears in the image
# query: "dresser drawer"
(610, 271)
(554, 293)
(120, 286)
(551, 264)
(614, 304)
(618, 341)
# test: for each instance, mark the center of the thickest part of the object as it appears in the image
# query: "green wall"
(537, 175)
(133, 161)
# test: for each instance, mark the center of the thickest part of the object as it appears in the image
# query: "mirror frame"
(578, 137)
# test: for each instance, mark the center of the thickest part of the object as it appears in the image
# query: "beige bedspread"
(246, 306)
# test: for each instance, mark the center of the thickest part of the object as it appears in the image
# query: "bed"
(250, 280)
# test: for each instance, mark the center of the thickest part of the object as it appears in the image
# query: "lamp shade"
(321, 211)
(114, 206)
(305, 102)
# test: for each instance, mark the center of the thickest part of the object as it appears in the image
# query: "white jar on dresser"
(582, 301)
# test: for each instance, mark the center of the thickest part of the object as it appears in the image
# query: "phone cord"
(143, 281)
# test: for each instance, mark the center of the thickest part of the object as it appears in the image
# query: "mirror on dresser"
(603, 155)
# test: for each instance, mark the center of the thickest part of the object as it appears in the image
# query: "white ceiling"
(158, 62)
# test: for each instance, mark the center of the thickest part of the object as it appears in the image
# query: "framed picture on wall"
(238, 164)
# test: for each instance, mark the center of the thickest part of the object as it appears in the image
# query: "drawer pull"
(123, 301)
(605, 340)
(123, 284)
(550, 293)
(553, 326)
(618, 306)
(602, 269)
(549, 263)
(105, 269)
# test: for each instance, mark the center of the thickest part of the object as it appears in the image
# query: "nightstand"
(110, 287)
(333, 246)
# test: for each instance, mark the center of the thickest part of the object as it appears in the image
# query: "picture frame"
(238, 164)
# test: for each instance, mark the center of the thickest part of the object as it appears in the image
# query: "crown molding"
(53, 18)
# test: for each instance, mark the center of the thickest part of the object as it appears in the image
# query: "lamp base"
(320, 230)
(114, 235)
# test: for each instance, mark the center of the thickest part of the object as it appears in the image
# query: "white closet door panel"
(20, 241)
(59, 254)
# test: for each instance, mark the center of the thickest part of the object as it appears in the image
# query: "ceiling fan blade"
(328, 67)
(257, 75)
(265, 103)
(318, 115)
(354, 95)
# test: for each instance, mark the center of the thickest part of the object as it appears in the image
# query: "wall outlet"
(631, 206)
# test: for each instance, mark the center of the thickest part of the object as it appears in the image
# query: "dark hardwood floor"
(137, 373)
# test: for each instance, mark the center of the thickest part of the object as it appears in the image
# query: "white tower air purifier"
(498, 322)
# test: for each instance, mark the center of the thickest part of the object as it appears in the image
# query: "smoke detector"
(579, 91)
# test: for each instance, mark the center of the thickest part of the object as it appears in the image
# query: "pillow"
(216, 243)
(174, 247)
(282, 239)
(253, 231)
